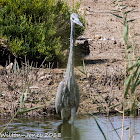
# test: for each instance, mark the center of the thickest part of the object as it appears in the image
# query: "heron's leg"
(65, 114)
(73, 113)
(62, 115)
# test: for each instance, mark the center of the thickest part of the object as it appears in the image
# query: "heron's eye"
(72, 18)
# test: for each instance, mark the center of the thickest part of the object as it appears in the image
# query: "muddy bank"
(97, 93)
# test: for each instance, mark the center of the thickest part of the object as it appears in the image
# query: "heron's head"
(75, 18)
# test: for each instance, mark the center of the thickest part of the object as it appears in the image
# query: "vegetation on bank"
(130, 103)
(36, 28)
(132, 58)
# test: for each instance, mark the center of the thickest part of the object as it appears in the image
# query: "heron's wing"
(58, 100)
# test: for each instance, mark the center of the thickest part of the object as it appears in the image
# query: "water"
(84, 128)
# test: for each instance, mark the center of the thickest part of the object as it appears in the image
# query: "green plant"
(36, 28)
(24, 94)
(83, 71)
(100, 128)
(132, 62)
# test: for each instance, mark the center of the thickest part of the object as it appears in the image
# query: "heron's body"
(67, 97)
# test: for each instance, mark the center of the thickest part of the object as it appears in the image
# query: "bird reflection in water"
(68, 131)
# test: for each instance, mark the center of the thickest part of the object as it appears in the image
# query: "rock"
(1, 67)
(97, 37)
(47, 76)
(115, 42)
(33, 87)
(9, 67)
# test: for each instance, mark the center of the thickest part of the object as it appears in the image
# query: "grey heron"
(67, 96)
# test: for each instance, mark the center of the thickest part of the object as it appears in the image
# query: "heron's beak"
(79, 23)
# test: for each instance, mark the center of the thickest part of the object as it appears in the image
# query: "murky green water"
(84, 128)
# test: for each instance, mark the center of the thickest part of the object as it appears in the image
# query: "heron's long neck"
(70, 65)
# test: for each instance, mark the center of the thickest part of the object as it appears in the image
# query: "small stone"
(96, 37)
(9, 67)
(34, 87)
(115, 42)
